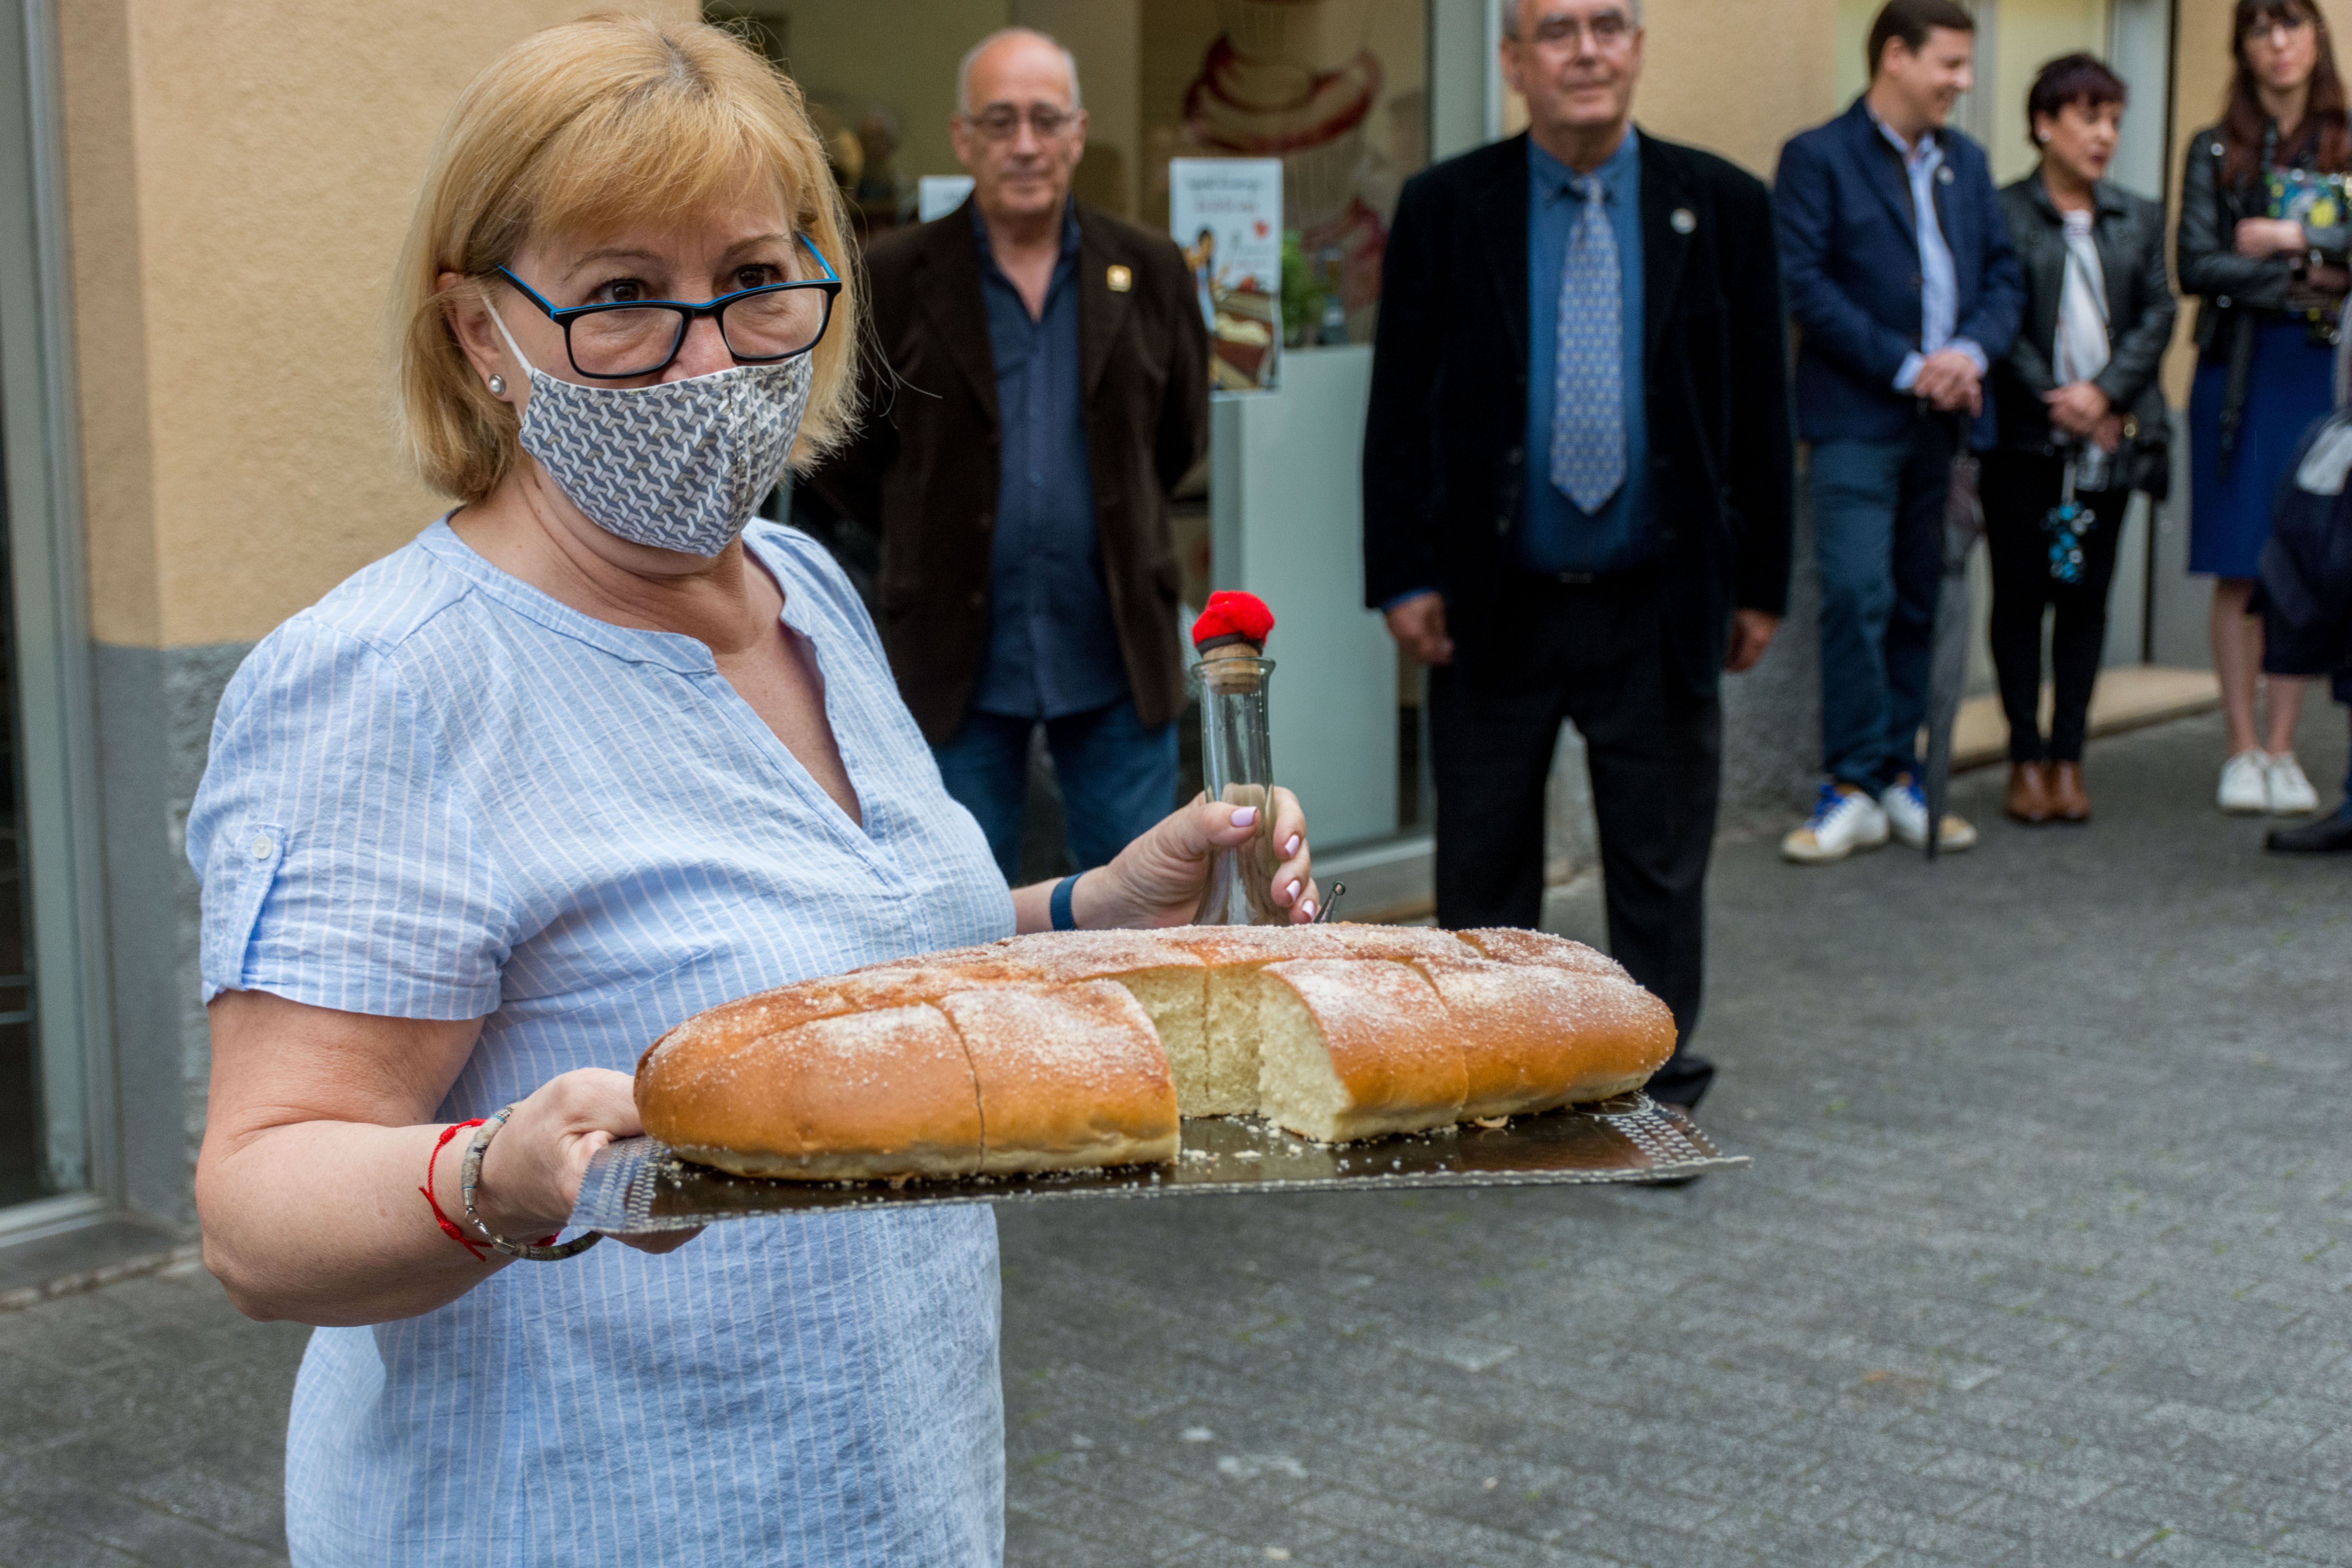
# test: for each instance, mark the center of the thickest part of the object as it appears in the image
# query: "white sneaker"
(1843, 822)
(2291, 794)
(1906, 813)
(2245, 784)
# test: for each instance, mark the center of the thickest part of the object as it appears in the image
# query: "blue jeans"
(1878, 528)
(1118, 777)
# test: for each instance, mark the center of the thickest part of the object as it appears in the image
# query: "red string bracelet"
(447, 1229)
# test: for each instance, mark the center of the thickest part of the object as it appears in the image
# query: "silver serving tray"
(639, 1187)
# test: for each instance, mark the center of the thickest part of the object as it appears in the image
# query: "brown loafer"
(2029, 793)
(2068, 803)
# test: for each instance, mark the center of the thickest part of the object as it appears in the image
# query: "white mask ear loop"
(512, 347)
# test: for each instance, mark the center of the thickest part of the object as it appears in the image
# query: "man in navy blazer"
(1903, 289)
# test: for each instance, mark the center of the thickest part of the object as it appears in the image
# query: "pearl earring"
(497, 386)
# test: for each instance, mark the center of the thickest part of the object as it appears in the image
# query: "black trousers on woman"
(2019, 489)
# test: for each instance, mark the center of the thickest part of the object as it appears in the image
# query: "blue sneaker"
(1845, 819)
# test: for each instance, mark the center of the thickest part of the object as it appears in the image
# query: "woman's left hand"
(1158, 879)
(2260, 236)
(2077, 408)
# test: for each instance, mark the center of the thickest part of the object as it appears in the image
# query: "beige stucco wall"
(240, 173)
(1739, 77)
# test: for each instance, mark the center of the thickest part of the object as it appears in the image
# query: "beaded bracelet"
(470, 1176)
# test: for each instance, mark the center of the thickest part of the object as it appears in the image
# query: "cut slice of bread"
(1234, 954)
(1169, 980)
(1354, 1048)
(1537, 1037)
(1070, 1077)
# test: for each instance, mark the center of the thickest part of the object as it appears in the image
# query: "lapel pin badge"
(1943, 175)
(1119, 278)
(1683, 220)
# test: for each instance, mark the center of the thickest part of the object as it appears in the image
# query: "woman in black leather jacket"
(2082, 422)
(2273, 282)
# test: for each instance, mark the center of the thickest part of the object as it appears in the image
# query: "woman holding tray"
(586, 757)
(2262, 239)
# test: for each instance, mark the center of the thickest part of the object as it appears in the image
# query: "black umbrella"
(1948, 669)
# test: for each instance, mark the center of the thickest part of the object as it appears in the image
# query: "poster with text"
(1226, 213)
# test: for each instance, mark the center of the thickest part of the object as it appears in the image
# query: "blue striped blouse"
(440, 793)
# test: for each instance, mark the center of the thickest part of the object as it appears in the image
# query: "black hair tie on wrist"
(1064, 919)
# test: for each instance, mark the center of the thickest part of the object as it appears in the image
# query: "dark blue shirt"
(1555, 535)
(1052, 649)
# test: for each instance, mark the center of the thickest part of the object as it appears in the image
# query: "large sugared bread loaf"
(1082, 1048)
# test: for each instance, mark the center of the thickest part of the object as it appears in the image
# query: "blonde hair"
(581, 129)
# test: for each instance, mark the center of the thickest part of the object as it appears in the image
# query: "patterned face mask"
(682, 465)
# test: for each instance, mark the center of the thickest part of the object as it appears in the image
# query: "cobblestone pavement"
(2042, 1260)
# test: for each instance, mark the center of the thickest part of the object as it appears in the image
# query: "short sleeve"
(340, 866)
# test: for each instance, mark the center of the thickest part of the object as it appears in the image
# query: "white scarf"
(2081, 351)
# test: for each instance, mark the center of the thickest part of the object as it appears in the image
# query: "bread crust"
(1536, 1036)
(1510, 944)
(1070, 1077)
(887, 1092)
(1392, 1046)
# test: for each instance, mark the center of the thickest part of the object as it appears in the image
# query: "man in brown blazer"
(1042, 383)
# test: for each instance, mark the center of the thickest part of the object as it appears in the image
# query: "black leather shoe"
(2330, 834)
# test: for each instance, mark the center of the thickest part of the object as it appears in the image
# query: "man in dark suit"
(1904, 288)
(1042, 385)
(1577, 487)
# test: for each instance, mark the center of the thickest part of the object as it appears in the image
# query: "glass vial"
(1237, 768)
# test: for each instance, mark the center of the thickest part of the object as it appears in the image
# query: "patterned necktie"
(1588, 390)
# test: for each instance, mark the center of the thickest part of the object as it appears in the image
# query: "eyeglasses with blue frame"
(623, 339)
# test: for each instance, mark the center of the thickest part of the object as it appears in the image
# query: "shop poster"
(1226, 213)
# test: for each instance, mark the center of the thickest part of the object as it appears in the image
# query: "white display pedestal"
(1285, 510)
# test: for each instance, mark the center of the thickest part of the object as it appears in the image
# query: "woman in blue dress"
(595, 752)
(2268, 260)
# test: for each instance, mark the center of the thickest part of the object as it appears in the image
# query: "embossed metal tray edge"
(639, 1186)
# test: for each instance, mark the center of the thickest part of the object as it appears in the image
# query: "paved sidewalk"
(2042, 1260)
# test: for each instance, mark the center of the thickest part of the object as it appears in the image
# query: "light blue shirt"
(1555, 535)
(440, 793)
(1939, 288)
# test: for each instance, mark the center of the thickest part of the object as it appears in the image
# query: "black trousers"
(2019, 489)
(1591, 654)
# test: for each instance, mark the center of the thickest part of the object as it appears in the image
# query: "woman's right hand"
(533, 1167)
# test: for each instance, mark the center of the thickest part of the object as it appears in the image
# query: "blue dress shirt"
(1052, 648)
(1939, 286)
(1555, 535)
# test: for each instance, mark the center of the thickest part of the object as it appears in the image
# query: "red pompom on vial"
(1234, 620)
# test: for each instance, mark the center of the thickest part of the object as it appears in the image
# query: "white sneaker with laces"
(1843, 822)
(1906, 813)
(2289, 793)
(2245, 784)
